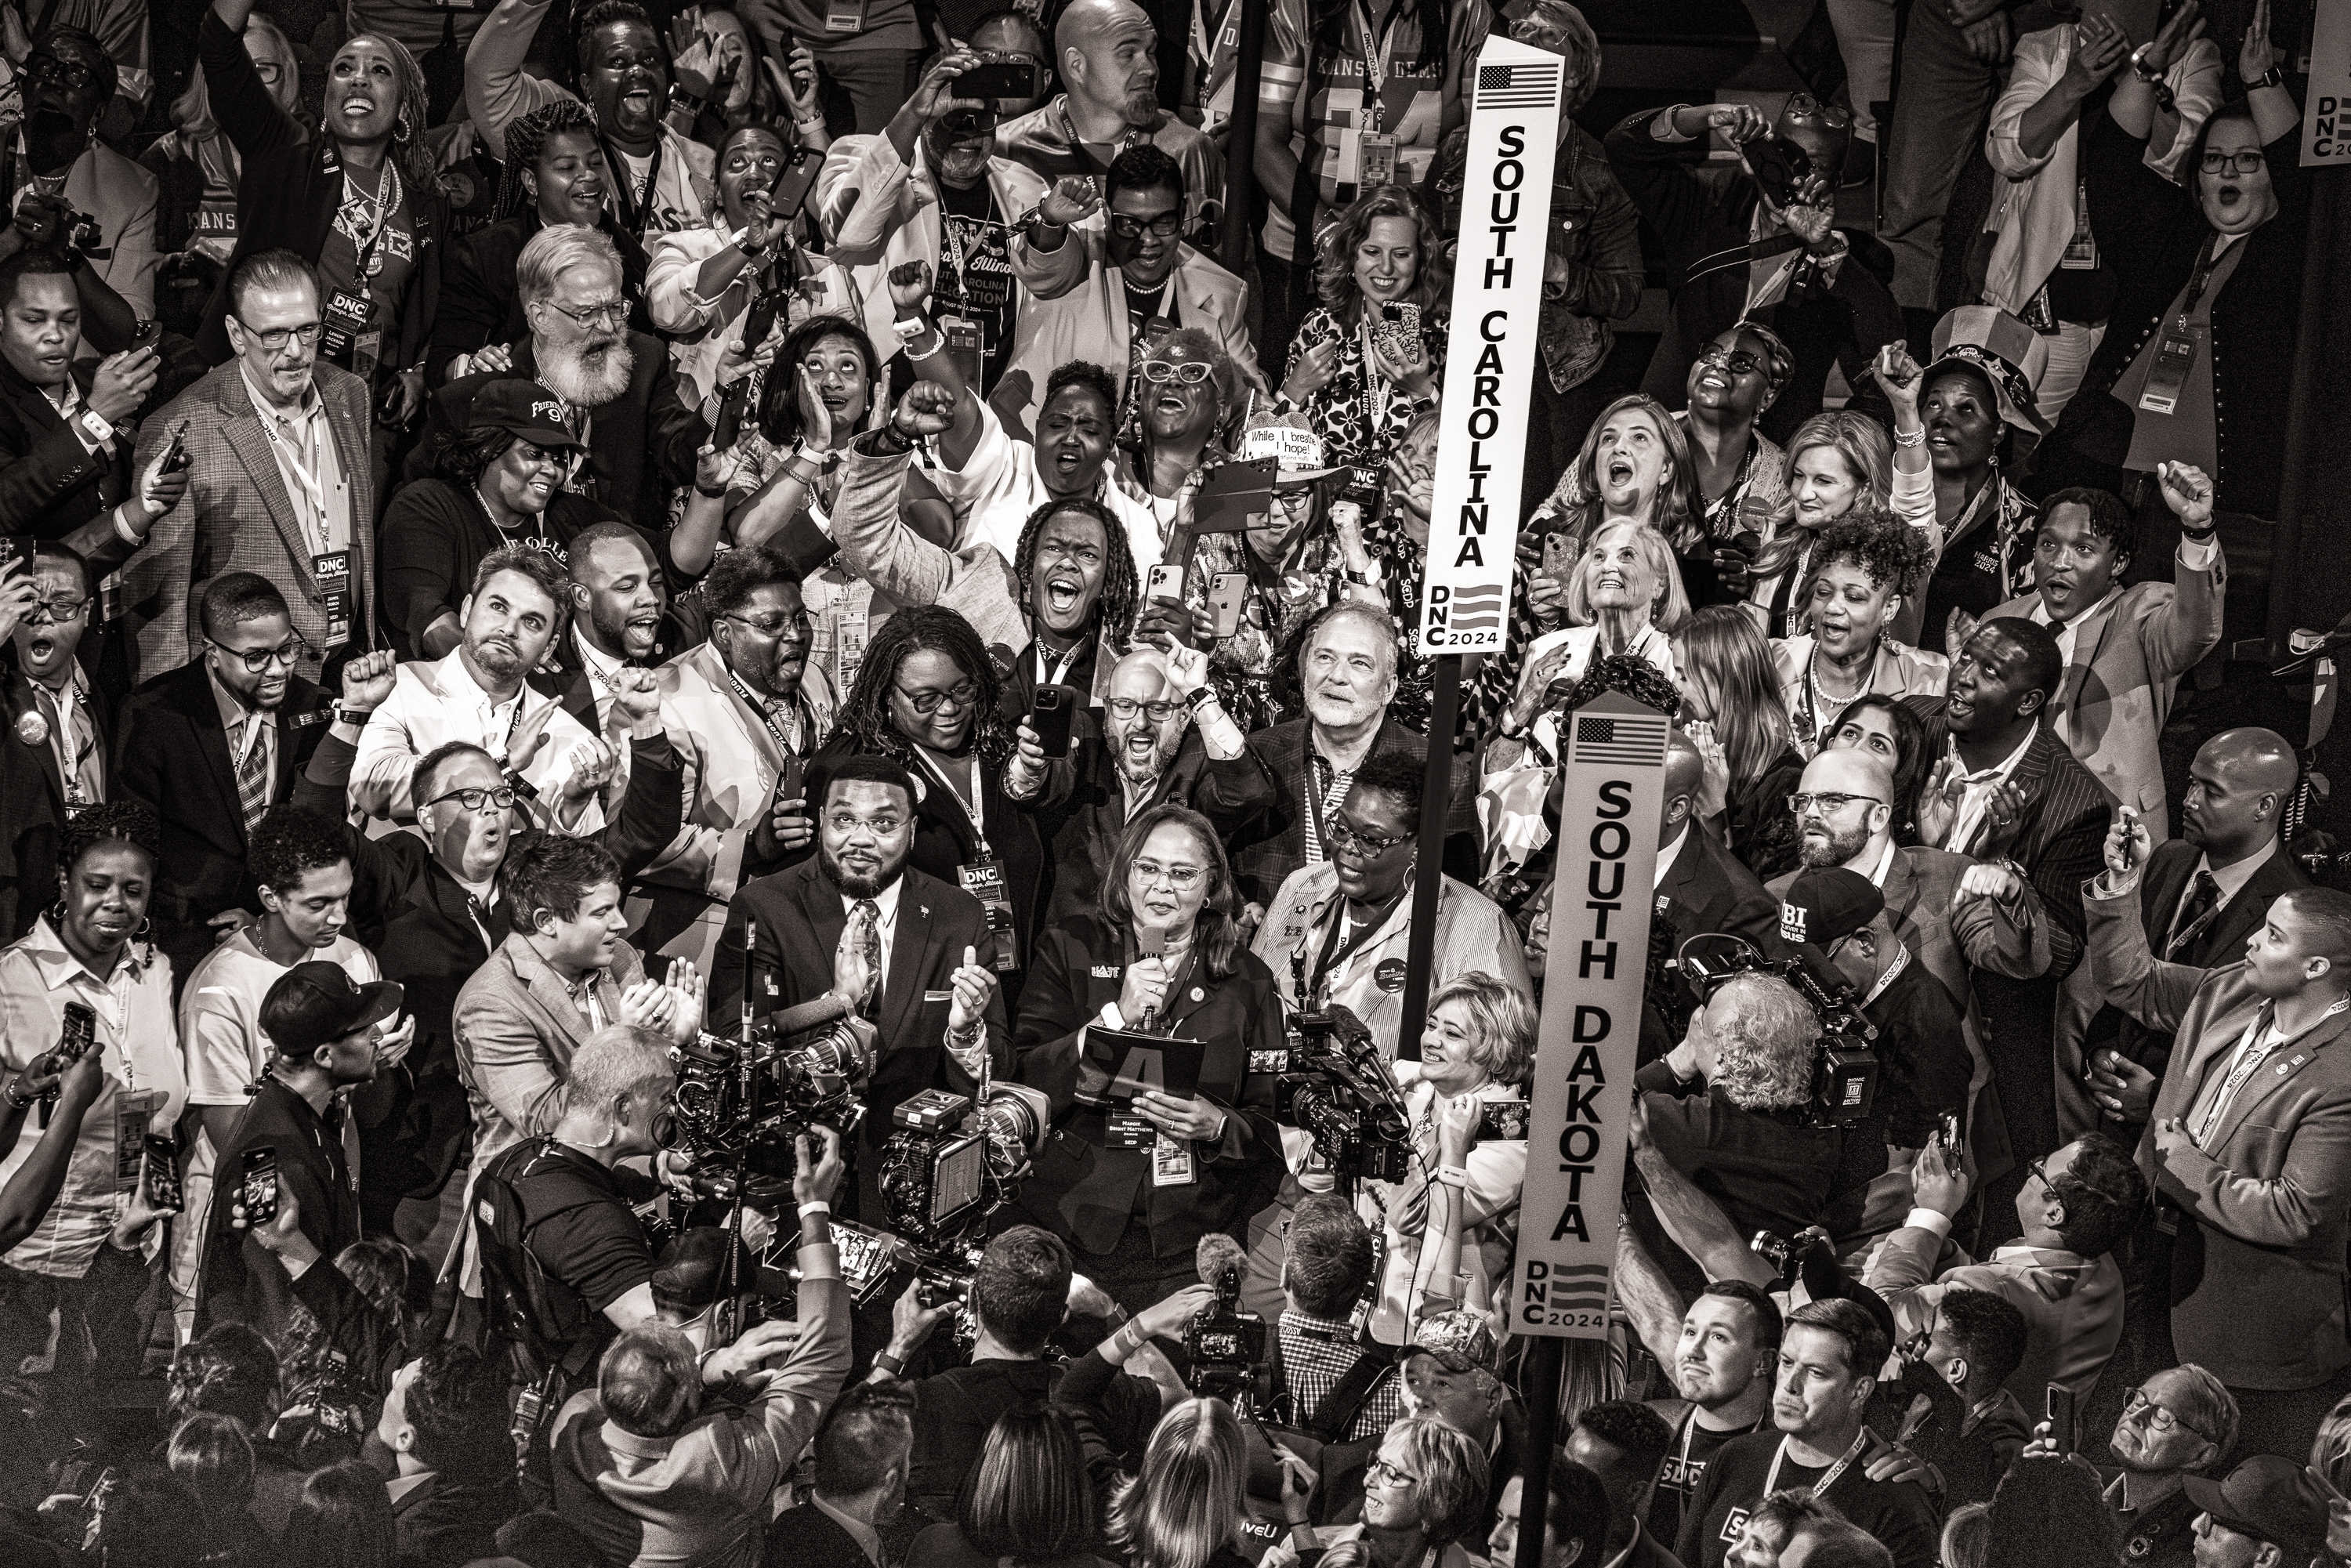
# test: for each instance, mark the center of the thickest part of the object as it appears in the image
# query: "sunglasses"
(1737, 361)
(1805, 106)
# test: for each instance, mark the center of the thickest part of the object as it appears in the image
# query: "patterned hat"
(1997, 347)
(1459, 1339)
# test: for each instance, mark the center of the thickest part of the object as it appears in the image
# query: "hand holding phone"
(1227, 597)
(258, 1187)
(1051, 715)
(2061, 1418)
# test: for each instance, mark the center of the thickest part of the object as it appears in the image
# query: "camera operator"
(1477, 1047)
(1020, 1294)
(68, 80)
(1337, 1389)
(1164, 953)
(1727, 1108)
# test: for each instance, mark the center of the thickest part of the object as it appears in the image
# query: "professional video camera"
(950, 1165)
(738, 1107)
(1330, 1082)
(1844, 1065)
(1225, 1346)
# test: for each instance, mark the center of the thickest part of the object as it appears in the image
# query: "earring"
(400, 130)
(146, 924)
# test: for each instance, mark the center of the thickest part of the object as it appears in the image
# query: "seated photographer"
(857, 920)
(1425, 1495)
(1018, 1296)
(1163, 955)
(2076, 1206)
(647, 1473)
(1477, 1049)
(1730, 1109)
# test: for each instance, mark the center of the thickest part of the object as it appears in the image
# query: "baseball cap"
(1825, 905)
(1460, 1340)
(2268, 1498)
(523, 409)
(317, 1002)
(1997, 347)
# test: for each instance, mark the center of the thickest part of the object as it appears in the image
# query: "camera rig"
(1331, 1083)
(954, 1161)
(740, 1106)
(1844, 1062)
(1225, 1348)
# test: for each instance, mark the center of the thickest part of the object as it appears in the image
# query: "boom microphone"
(1215, 1253)
(813, 1014)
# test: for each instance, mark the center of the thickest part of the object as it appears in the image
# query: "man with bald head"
(1956, 915)
(2198, 897)
(1700, 885)
(1107, 55)
(1158, 745)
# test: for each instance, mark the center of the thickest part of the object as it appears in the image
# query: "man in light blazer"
(1081, 279)
(282, 482)
(2249, 1148)
(2125, 648)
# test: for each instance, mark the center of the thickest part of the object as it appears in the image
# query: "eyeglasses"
(1805, 104)
(503, 798)
(2233, 162)
(844, 824)
(1380, 1469)
(2038, 1170)
(2158, 1418)
(46, 67)
(288, 653)
(1127, 707)
(593, 318)
(965, 693)
(1190, 373)
(1737, 361)
(1182, 878)
(269, 71)
(1163, 227)
(61, 611)
(1369, 843)
(770, 626)
(274, 338)
(1830, 803)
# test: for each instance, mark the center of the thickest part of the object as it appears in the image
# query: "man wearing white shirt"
(478, 695)
(2125, 649)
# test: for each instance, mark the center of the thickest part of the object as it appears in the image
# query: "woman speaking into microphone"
(1163, 955)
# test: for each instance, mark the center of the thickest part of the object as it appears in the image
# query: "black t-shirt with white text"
(1686, 1466)
(1897, 1514)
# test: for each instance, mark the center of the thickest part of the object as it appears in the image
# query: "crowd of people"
(548, 549)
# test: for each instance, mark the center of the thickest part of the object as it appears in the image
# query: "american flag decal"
(1579, 1287)
(1518, 87)
(1477, 609)
(1620, 742)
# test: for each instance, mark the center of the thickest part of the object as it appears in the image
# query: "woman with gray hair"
(1424, 1494)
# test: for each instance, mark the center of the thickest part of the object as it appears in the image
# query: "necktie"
(2195, 912)
(74, 745)
(869, 936)
(252, 772)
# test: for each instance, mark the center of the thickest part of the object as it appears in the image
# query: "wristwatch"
(93, 422)
(2274, 76)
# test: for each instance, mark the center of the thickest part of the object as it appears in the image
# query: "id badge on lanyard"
(2175, 356)
(983, 878)
(967, 346)
(350, 339)
(134, 1111)
(845, 18)
(333, 570)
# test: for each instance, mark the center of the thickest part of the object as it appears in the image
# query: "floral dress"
(1360, 415)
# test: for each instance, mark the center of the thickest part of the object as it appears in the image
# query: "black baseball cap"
(314, 1003)
(1825, 905)
(523, 409)
(2268, 1498)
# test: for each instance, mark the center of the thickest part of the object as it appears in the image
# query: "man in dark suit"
(624, 397)
(444, 1422)
(621, 614)
(1149, 753)
(429, 905)
(2200, 896)
(2249, 1143)
(58, 738)
(1347, 669)
(323, 1028)
(210, 746)
(862, 1452)
(913, 953)
(1701, 887)
(2005, 789)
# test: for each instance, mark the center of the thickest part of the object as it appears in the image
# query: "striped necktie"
(252, 772)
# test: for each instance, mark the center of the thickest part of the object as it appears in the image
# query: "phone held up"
(1051, 715)
(258, 1187)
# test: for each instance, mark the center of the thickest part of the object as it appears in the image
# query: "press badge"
(1376, 158)
(1171, 1163)
(844, 17)
(333, 571)
(133, 1110)
(984, 880)
(2175, 355)
(1125, 1130)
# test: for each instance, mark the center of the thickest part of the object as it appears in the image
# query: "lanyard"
(1828, 1477)
(70, 756)
(1051, 674)
(2207, 258)
(633, 214)
(365, 265)
(1375, 66)
(975, 807)
(1689, 1431)
(767, 717)
(1342, 939)
(306, 475)
(1315, 797)
(1069, 127)
(504, 749)
(1893, 970)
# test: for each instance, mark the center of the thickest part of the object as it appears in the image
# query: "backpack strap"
(1335, 1416)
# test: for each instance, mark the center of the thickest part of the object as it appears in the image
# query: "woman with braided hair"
(360, 201)
(88, 954)
(926, 695)
(555, 174)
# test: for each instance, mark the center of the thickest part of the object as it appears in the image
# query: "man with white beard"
(621, 396)
(1151, 751)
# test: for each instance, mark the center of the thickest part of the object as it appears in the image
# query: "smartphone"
(2060, 1417)
(1779, 165)
(1051, 715)
(792, 186)
(730, 415)
(993, 78)
(1502, 1121)
(15, 549)
(1228, 595)
(147, 336)
(79, 1034)
(1166, 581)
(760, 319)
(176, 458)
(258, 1187)
(791, 784)
(1949, 1131)
(162, 1174)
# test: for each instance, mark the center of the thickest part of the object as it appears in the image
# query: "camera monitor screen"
(960, 1167)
